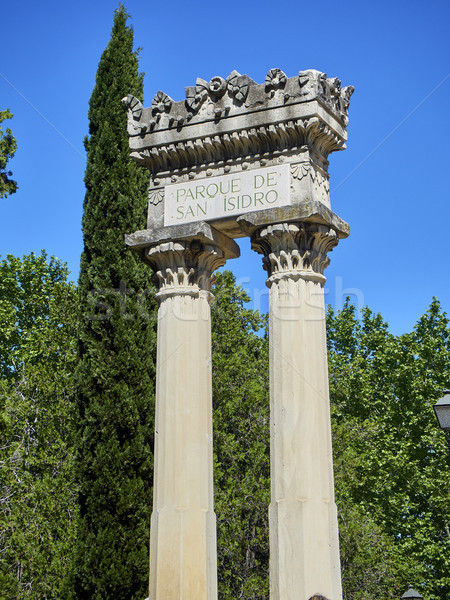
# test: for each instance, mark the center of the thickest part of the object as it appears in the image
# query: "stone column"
(183, 555)
(304, 550)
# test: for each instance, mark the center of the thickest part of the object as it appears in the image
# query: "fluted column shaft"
(304, 550)
(183, 555)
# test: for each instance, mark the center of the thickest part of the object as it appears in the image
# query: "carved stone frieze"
(315, 84)
(184, 267)
(225, 119)
(297, 250)
(321, 187)
(260, 140)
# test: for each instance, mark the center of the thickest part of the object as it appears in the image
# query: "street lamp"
(411, 594)
(442, 410)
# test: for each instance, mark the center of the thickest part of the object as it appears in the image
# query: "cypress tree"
(117, 346)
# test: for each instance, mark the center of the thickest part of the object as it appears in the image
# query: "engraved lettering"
(212, 190)
(275, 196)
(271, 179)
(227, 196)
(199, 191)
(258, 181)
(259, 197)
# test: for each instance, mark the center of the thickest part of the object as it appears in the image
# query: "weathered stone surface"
(235, 117)
(183, 526)
(202, 232)
(307, 212)
(304, 548)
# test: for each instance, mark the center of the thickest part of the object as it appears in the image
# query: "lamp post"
(411, 594)
(442, 410)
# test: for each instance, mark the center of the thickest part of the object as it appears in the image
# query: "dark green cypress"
(117, 346)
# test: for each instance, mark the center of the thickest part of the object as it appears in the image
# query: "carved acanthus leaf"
(255, 140)
(184, 266)
(297, 250)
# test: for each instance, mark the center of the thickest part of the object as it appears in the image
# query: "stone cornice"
(306, 212)
(191, 232)
(224, 119)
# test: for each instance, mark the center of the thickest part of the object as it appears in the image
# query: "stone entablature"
(226, 127)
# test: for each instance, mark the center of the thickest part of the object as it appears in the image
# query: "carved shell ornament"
(156, 196)
(161, 102)
(300, 170)
(275, 79)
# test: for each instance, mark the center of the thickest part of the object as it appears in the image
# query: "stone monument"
(236, 158)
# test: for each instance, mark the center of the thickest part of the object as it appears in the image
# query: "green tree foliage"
(8, 147)
(241, 443)
(391, 457)
(38, 310)
(117, 346)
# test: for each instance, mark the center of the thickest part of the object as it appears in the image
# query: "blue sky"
(391, 184)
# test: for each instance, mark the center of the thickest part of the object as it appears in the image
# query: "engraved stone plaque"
(227, 195)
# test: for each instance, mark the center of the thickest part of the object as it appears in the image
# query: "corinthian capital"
(183, 257)
(184, 266)
(295, 250)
